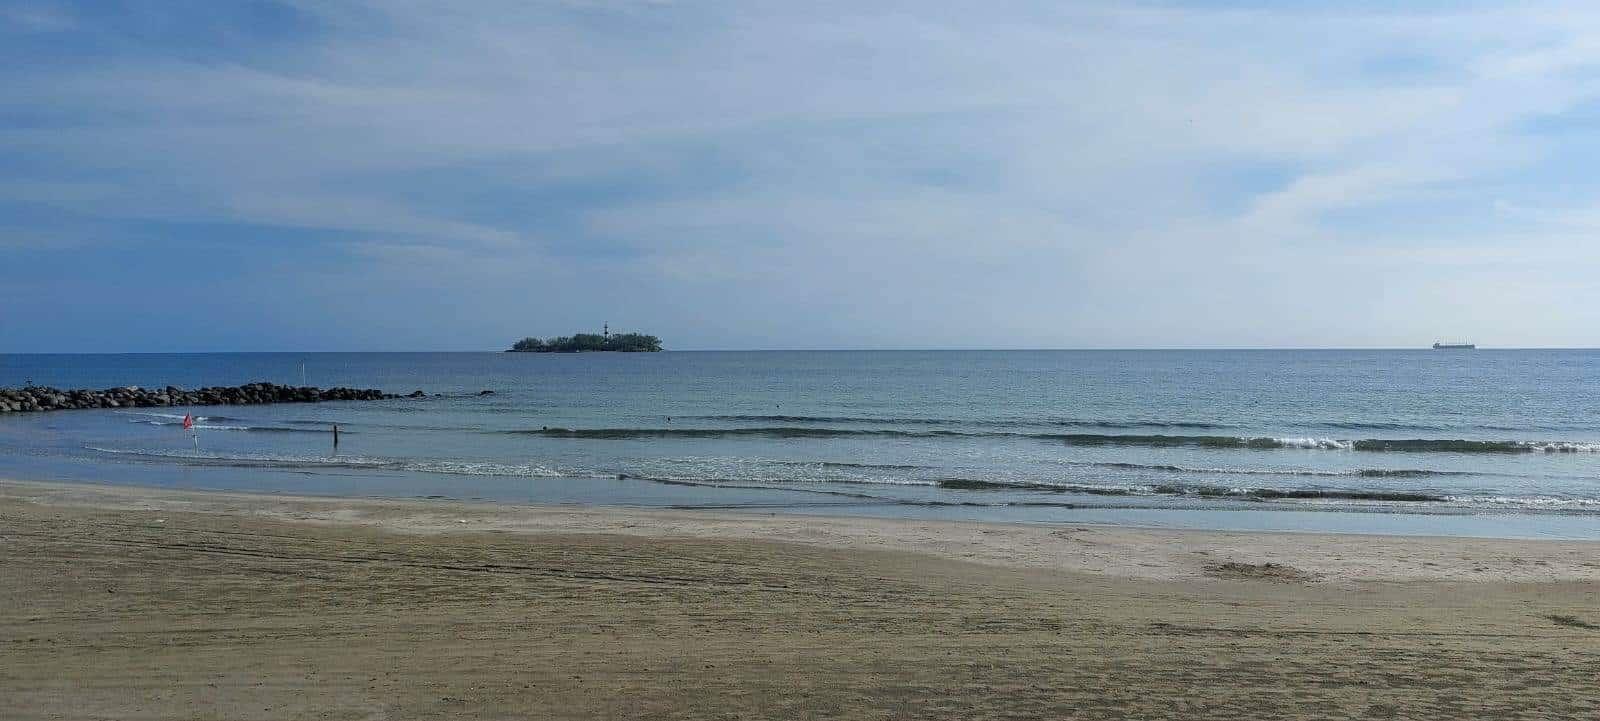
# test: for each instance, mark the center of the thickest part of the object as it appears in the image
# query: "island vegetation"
(590, 342)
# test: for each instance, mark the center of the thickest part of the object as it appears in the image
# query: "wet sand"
(119, 603)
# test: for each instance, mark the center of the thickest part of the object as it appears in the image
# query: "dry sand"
(119, 603)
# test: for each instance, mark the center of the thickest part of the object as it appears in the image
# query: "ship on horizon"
(1455, 346)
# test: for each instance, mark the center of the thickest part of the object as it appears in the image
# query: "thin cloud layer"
(382, 175)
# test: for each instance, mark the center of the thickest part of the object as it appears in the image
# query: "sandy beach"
(126, 603)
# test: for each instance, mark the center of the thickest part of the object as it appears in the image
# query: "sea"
(1483, 443)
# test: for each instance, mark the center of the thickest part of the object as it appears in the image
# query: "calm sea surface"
(1488, 443)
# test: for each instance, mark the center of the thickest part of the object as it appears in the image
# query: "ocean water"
(1477, 443)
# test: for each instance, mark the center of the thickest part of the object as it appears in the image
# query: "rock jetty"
(36, 398)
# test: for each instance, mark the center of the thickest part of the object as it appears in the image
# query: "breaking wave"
(742, 418)
(969, 484)
(845, 464)
(1374, 445)
(830, 486)
(1359, 472)
(916, 421)
(251, 460)
(1173, 489)
(203, 426)
(175, 416)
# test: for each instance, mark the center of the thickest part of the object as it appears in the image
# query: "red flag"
(188, 422)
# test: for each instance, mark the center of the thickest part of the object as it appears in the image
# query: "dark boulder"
(38, 398)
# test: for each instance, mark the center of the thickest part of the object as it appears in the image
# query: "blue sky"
(352, 175)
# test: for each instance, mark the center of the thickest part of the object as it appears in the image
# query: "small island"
(589, 343)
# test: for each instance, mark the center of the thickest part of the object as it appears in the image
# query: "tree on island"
(589, 342)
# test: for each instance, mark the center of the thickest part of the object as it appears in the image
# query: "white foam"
(474, 468)
(197, 425)
(1332, 444)
(1534, 501)
(148, 413)
(1563, 447)
(460, 468)
(173, 416)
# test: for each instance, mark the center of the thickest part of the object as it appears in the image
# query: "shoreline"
(1115, 550)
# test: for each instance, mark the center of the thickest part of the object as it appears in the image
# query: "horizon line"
(819, 350)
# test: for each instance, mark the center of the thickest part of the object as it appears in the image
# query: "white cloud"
(1062, 174)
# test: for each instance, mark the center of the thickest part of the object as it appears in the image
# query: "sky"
(199, 175)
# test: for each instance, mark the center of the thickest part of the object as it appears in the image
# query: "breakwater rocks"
(36, 398)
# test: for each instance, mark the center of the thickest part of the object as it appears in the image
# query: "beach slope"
(123, 603)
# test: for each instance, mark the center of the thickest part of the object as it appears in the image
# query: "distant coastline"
(589, 343)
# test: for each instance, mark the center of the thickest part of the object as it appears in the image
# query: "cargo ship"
(1454, 346)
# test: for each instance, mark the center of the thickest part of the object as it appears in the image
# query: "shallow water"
(1500, 443)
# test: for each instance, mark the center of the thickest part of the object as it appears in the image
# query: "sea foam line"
(445, 466)
(223, 427)
(1374, 445)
